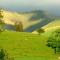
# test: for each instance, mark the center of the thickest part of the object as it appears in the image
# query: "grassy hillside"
(31, 19)
(26, 45)
(12, 17)
(52, 26)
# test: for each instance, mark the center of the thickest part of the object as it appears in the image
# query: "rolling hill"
(11, 17)
(52, 26)
(31, 21)
(22, 45)
(25, 45)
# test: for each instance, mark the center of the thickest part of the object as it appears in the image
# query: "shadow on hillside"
(39, 25)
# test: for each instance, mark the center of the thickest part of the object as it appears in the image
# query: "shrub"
(54, 41)
(40, 30)
(4, 55)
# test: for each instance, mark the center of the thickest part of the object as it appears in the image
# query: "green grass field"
(26, 46)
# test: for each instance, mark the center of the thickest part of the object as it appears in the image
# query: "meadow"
(26, 46)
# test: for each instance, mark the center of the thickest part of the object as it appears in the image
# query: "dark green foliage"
(19, 26)
(54, 41)
(2, 54)
(40, 30)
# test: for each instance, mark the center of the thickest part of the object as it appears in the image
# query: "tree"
(40, 30)
(1, 21)
(54, 41)
(19, 26)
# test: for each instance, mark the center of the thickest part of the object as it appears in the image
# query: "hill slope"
(26, 45)
(12, 17)
(52, 26)
(30, 20)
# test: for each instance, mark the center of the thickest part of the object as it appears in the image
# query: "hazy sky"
(18, 5)
(29, 2)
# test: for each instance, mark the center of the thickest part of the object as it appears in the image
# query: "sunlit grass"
(52, 26)
(27, 45)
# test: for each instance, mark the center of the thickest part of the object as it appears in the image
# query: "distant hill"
(52, 26)
(26, 18)
(31, 20)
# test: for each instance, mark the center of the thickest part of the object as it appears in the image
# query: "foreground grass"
(27, 45)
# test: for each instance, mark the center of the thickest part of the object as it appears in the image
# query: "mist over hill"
(52, 6)
(27, 19)
(30, 20)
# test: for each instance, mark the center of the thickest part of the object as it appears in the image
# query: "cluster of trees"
(54, 41)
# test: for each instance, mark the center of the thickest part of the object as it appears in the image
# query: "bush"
(4, 55)
(54, 41)
(40, 30)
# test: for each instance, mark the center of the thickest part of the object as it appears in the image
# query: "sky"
(25, 5)
(29, 3)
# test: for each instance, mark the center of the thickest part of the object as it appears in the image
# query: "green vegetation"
(26, 45)
(2, 54)
(54, 41)
(40, 30)
(1, 22)
(1, 16)
(19, 26)
(53, 25)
